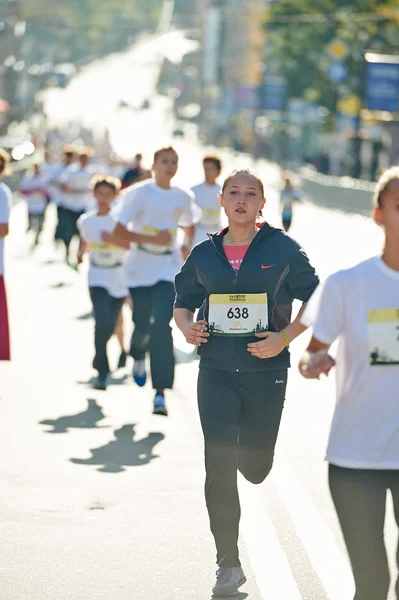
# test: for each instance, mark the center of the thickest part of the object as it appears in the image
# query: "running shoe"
(159, 405)
(228, 580)
(101, 382)
(122, 360)
(139, 373)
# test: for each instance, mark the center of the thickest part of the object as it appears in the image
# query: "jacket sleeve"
(190, 293)
(302, 279)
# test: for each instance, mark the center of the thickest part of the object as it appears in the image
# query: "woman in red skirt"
(5, 205)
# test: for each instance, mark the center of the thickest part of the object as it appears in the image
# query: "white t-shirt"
(36, 201)
(207, 198)
(147, 208)
(77, 179)
(51, 172)
(353, 306)
(5, 207)
(105, 260)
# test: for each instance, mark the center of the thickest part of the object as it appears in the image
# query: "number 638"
(238, 313)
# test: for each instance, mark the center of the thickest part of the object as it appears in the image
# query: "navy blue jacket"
(288, 275)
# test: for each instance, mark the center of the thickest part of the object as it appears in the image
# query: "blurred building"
(232, 41)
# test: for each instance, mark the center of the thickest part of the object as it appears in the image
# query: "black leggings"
(240, 416)
(359, 497)
(106, 312)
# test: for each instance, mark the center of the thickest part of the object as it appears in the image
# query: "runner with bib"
(106, 275)
(207, 198)
(150, 208)
(244, 280)
(360, 308)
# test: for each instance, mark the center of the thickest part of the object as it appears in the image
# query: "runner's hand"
(80, 258)
(196, 333)
(163, 238)
(319, 362)
(271, 345)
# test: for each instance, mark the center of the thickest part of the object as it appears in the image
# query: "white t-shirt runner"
(5, 207)
(106, 268)
(147, 208)
(78, 180)
(207, 198)
(36, 201)
(360, 307)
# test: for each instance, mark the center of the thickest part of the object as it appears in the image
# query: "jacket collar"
(217, 238)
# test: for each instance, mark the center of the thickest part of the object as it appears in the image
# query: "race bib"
(154, 248)
(106, 256)
(383, 330)
(210, 217)
(238, 314)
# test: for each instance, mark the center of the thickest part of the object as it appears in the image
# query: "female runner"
(244, 280)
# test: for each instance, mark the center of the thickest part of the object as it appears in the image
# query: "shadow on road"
(87, 419)
(85, 316)
(111, 380)
(59, 285)
(122, 452)
(239, 596)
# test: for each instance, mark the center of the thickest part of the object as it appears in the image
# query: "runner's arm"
(122, 236)
(83, 248)
(195, 333)
(3, 230)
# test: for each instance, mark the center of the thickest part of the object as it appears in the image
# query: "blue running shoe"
(139, 373)
(159, 405)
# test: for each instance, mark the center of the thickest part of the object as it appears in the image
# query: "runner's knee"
(256, 471)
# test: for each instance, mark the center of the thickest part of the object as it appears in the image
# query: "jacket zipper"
(235, 282)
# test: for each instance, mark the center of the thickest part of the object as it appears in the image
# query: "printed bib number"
(106, 255)
(210, 217)
(383, 329)
(154, 248)
(237, 314)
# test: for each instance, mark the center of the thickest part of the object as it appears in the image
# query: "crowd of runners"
(231, 291)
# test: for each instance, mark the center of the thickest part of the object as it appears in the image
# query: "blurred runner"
(57, 195)
(288, 196)
(120, 334)
(244, 280)
(360, 308)
(155, 209)
(106, 275)
(207, 198)
(35, 189)
(136, 173)
(5, 207)
(76, 185)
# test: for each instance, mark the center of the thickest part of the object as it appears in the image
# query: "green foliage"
(298, 32)
(73, 29)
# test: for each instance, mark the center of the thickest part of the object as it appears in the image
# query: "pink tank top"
(235, 255)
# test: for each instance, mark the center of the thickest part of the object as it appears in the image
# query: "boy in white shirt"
(35, 189)
(154, 209)
(106, 276)
(207, 198)
(360, 308)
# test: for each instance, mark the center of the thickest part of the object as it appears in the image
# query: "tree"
(299, 32)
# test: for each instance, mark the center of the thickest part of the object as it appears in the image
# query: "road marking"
(264, 548)
(317, 539)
